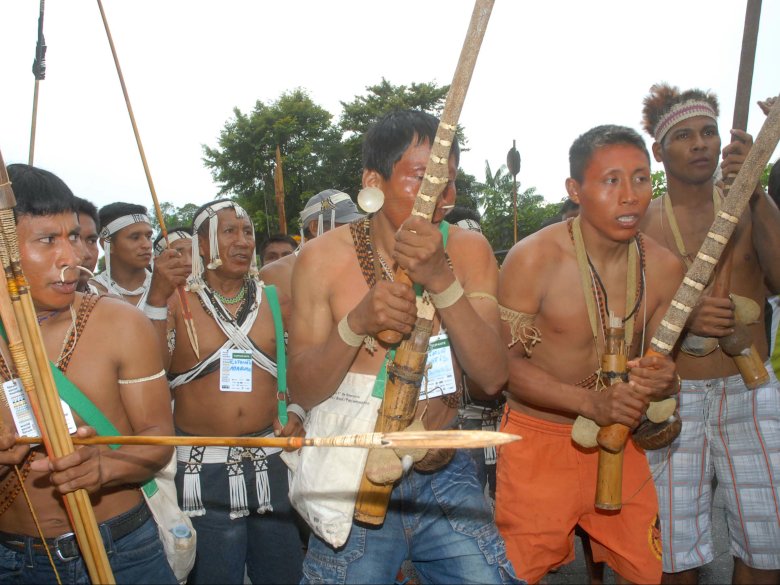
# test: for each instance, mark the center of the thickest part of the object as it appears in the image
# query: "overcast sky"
(547, 72)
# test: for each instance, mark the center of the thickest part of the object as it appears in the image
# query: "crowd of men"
(186, 335)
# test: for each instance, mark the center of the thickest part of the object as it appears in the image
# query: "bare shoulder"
(279, 273)
(325, 253)
(467, 246)
(538, 253)
(651, 223)
(660, 259)
(119, 319)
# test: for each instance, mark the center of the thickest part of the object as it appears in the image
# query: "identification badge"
(441, 375)
(22, 411)
(235, 370)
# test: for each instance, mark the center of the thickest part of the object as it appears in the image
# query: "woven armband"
(481, 295)
(448, 297)
(348, 336)
(156, 313)
(297, 410)
(522, 329)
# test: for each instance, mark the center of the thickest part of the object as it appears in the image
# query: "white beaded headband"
(172, 237)
(112, 228)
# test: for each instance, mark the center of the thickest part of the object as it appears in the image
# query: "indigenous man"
(179, 239)
(728, 431)
(124, 381)
(327, 209)
(237, 497)
(126, 238)
(90, 228)
(277, 246)
(439, 519)
(556, 290)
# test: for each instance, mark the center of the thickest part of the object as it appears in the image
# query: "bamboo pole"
(406, 372)
(189, 323)
(29, 356)
(451, 439)
(613, 438)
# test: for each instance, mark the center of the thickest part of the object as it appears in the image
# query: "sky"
(547, 72)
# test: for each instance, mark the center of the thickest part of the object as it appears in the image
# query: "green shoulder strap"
(281, 358)
(444, 228)
(88, 412)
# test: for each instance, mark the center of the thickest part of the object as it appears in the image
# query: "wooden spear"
(31, 362)
(748, 361)
(39, 72)
(192, 334)
(452, 439)
(406, 372)
(513, 165)
(613, 438)
(279, 191)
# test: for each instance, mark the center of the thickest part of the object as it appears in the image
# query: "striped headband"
(172, 237)
(680, 112)
(122, 222)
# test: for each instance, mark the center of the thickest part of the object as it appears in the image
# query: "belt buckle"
(57, 546)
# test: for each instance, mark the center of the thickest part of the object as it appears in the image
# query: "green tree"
(494, 197)
(658, 181)
(173, 216)
(244, 160)
(359, 114)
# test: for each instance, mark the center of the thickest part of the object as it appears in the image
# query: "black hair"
(459, 212)
(88, 208)
(276, 238)
(586, 145)
(39, 192)
(569, 205)
(386, 141)
(773, 187)
(178, 228)
(112, 211)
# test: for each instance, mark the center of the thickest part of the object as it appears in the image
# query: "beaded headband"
(327, 204)
(469, 224)
(680, 112)
(172, 237)
(113, 227)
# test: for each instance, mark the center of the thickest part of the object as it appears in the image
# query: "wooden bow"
(32, 365)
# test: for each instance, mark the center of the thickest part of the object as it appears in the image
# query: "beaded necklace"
(231, 300)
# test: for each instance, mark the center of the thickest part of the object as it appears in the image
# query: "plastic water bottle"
(182, 536)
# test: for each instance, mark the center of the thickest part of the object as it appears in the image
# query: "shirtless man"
(89, 222)
(714, 402)
(126, 382)
(276, 247)
(327, 209)
(237, 497)
(546, 484)
(329, 366)
(179, 239)
(126, 238)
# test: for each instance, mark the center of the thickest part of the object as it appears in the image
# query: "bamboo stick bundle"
(406, 372)
(32, 364)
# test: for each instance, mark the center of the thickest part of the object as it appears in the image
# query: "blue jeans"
(135, 558)
(268, 545)
(441, 521)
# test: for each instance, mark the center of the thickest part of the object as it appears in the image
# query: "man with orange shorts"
(556, 290)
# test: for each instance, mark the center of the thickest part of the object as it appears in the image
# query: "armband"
(448, 297)
(522, 329)
(159, 374)
(297, 409)
(481, 295)
(348, 336)
(156, 313)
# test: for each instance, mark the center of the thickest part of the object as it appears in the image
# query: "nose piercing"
(76, 267)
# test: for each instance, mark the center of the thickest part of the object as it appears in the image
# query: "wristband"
(448, 297)
(297, 409)
(348, 336)
(156, 313)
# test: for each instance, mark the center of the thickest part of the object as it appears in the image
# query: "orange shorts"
(546, 485)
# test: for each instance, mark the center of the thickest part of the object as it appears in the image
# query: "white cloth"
(325, 481)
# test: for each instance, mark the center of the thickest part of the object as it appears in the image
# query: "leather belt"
(65, 545)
